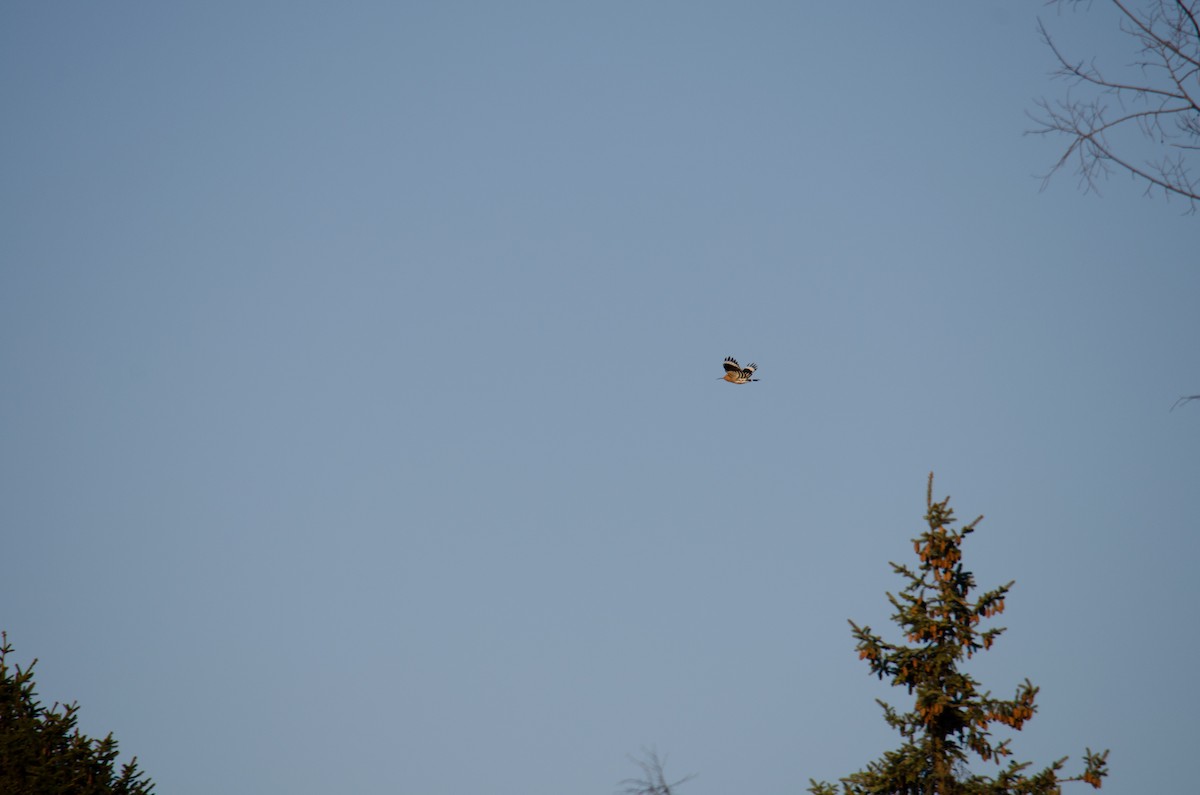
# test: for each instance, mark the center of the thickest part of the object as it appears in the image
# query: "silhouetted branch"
(1184, 399)
(1168, 39)
(654, 781)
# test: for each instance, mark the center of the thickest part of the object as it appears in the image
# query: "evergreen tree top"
(42, 751)
(950, 720)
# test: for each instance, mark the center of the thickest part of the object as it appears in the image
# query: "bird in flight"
(1185, 399)
(736, 374)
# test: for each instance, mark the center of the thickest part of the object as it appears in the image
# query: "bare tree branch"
(1184, 399)
(1191, 17)
(1167, 36)
(654, 781)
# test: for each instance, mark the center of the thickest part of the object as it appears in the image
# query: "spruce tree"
(42, 751)
(949, 724)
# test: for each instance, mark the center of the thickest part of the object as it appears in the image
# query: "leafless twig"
(1164, 105)
(1184, 399)
(653, 781)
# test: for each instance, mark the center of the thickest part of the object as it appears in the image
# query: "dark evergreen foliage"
(42, 751)
(950, 719)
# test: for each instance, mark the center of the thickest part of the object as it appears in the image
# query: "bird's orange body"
(736, 374)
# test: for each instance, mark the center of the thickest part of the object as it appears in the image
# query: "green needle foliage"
(42, 751)
(950, 719)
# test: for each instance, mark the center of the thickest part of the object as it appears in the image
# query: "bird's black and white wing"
(731, 365)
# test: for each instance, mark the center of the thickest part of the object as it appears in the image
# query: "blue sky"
(360, 429)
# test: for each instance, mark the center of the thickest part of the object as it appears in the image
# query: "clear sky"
(360, 428)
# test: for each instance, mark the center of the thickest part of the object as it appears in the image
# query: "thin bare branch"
(654, 780)
(1183, 400)
(1168, 38)
(1189, 15)
(1148, 33)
